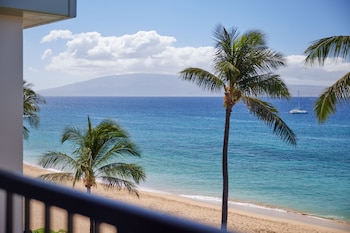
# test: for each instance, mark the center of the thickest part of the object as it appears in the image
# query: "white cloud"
(32, 69)
(56, 34)
(338, 64)
(297, 73)
(47, 53)
(90, 54)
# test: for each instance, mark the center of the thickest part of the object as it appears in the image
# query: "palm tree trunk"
(224, 210)
(92, 222)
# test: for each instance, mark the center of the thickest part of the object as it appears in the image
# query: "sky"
(161, 36)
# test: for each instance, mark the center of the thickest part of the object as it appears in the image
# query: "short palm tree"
(31, 107)
(95, 157)
(242, 69)
(339, 92)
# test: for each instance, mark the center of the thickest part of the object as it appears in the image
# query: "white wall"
(11, 106)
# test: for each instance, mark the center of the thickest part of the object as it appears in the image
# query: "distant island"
(149, 85)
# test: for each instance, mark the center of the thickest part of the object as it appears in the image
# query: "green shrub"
(42, 230)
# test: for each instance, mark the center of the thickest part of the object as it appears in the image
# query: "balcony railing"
(125, 218)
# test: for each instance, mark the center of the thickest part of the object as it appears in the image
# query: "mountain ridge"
(149, 85)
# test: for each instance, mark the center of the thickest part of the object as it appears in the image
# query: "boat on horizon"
(298, 109)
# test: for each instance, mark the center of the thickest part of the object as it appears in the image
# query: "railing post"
(47, 218)
(26, 215)
(97, 226)
(70, 222)
(9, 212)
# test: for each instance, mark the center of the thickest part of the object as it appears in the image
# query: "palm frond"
(326, 104)
(25, 132)
(202, 78)
(57, 177)
(57, 160)
(113, 182)
(225, 45)
(224, 39)
(227, 71)
(252, 56)
(255, 39)
(79, 173)
(267, 60)
(111, 129)
(31, 107)
(269, 85)
(268, 114)
(73, 134)
(124, 171)
(107, 140)
(334, 46)
(32, 99)
(32, 118)
(125, 148)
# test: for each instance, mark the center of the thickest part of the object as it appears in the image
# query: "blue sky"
(117, 37)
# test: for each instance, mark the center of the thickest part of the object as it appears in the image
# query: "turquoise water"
(181, 143)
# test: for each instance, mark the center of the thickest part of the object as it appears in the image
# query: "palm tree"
(31, 101)
(242, 69)
(339, 92)
(95, 157)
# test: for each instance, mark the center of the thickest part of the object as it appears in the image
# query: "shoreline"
(243, 217)
(266, 211)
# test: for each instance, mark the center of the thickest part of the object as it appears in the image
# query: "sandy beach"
(239, 220)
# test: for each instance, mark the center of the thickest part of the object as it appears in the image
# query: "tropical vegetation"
(31, 107)
(243, 66)
(42, 230)
(339, 92)
(96, 155)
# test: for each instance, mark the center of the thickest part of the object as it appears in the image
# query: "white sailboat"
(298, 109)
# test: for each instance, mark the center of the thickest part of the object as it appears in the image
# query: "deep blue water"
(181, 143)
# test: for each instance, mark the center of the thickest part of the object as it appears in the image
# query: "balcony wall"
(15, 15)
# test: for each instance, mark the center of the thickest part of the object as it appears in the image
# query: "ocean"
(181, 142)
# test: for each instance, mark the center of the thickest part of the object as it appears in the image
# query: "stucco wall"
(11, 106)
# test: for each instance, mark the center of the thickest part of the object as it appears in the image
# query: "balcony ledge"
(39, 12)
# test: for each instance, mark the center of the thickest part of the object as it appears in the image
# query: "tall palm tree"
(339, 92)
(31, 107)
(95, 157)
(242, 69)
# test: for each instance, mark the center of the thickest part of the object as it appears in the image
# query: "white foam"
(202, 198)
(257, 206)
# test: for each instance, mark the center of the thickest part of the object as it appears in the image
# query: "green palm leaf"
(124, 170)
(57, 160)
(338, 93)
(113, 182)
(31, 107)
(72, 134)
(202, 78)
(59, 177)
(269, 114)
(269, 85)
(334, 46)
